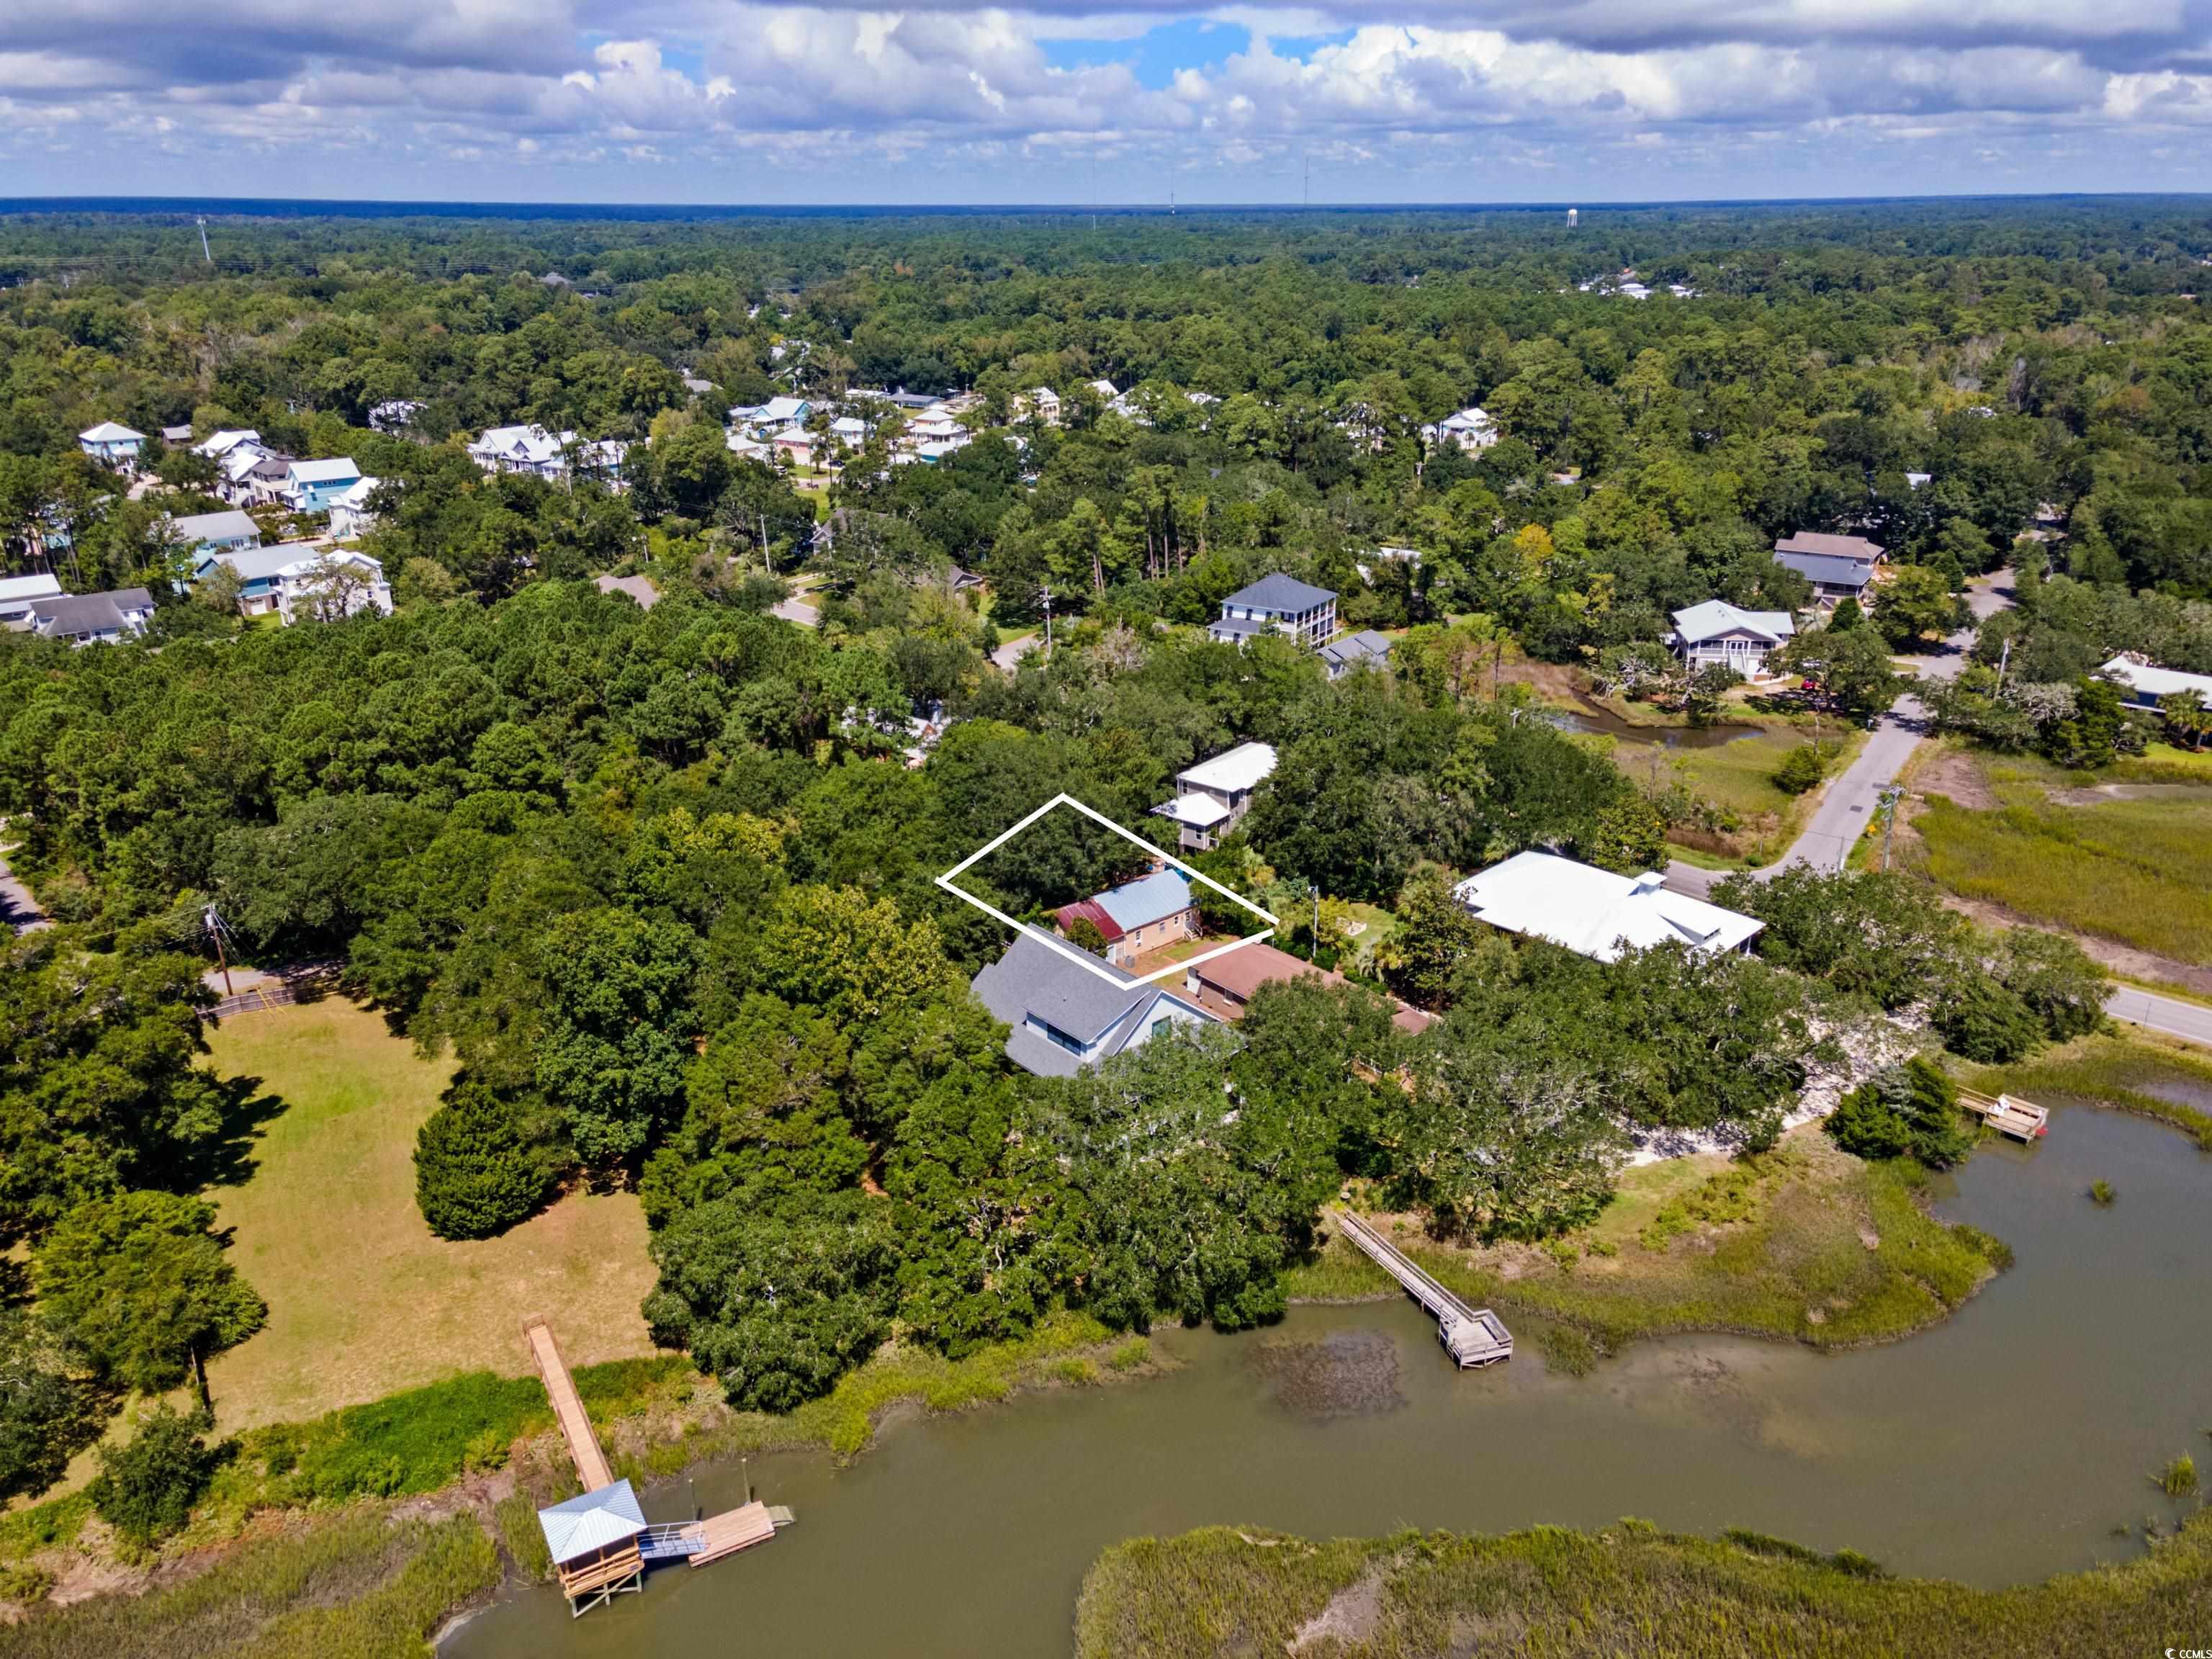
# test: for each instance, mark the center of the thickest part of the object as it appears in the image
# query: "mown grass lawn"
(2135, 870)
(363, 1300)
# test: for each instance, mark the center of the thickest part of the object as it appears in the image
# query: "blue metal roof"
(1148, 899)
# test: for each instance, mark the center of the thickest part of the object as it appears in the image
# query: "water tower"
(1572, 216)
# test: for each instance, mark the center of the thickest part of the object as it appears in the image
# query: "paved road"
(1008, 657)
(1852, 800)
(2190, 1021)
(18, 910)
(798, 610)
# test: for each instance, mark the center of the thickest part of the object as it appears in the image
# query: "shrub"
(482, 1164)
(1909, 1109)
(146, 1488)
(2100, 1192)
(1801, 768)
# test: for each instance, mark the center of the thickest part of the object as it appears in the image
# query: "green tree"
(1883, 935)
(1500, 1144)
(140, 1285)
(482, 1162)
(1629, 836)
(1434, 933)
(147, 1487)
(1983, 1021)
(855, 957)
(615, 1039)
(1909, 1109)
(1917, 604)
(47, 1413)
(2063, 986)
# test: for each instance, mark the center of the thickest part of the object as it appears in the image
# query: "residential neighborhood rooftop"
(1596, 913)
(1102, 1007)
(1245, 767)
(1277, 592)
(1717, 616)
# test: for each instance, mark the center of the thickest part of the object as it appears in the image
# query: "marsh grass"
(2101, 1193)
(2122, 1072)
(2178, 1478)
(1627, 1590)
(357, 1585)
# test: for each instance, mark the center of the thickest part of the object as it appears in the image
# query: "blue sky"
(1379, 101)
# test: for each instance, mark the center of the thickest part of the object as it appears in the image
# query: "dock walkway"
(2008, 1115)
(568, 1407)
(1473, 1336)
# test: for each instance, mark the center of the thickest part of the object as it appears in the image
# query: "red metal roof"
(1088, 910)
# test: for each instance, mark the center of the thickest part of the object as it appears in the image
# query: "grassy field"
(1805, 1243)
(2136, 871)
(1550, 1594)
(1739, 775)
(363, 1301)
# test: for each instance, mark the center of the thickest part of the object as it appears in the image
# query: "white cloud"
(1403, 99)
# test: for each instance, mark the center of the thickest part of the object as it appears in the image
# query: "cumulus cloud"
(681, 98)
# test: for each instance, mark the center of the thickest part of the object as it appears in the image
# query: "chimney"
(1649, 882)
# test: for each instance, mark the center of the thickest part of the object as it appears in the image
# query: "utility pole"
(202, 221)
(213, 923)
(1891, 795)
(1046, 592)
(2005, 656)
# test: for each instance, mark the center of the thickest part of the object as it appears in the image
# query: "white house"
(603, 458)
(19, 593)
(747, 448)
(216, 445)
(1718, 632)
(112, 443)
(1471, 430)
(1277, 605)
(251, 476)
(2143, 683)
(349, 512)
(530, 449)
(849, 430)
(1212, 797)
(1595, 913)
(1042, 403)
(1366, 649)
(231, 532)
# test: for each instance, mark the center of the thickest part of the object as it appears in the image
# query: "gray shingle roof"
(71, 614)
(1279, 593)
(1033, 978)
(1835, 569)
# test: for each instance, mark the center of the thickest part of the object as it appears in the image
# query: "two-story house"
(276, 578)
(1212, 797)
(530, 449)
(1277, 605)
(1062, 1016)
(19, 593)
(1839, 566)
(312, 486)
(112, 444)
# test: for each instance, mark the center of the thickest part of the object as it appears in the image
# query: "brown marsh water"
(2003, 1446)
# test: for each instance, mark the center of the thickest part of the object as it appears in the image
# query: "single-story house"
(1138, 915)
(1366, 649)
(1277, 605)
(312, 486)
(19, 593)
(2143, 683)
(1062, 1016)
(93, 618)
(277, 578)
(228, 532)
(523, 449)
(174, 435)
(349, 511)
(747, 448)
(1838, 566)
(1471, 430)
(1212, 797)
(937, 449)
(1718, 632)
(111, 442)
(1224, 986)
(797, 442)
(1595, 913)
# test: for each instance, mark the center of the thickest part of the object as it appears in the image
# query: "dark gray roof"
(74, 615)
(1366, 646)
(1835, 569)
(1286, 594)
(1034, 978)
(1238, 627)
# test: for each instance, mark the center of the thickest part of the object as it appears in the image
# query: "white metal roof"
(1595, 913)
(21, 589)
(220, 444)
(1199, 811)
(2153, 681)
(1245, 767)
(108, 432)
(1715, 617)
(591, 1521)
(329, 471)
(227, 526)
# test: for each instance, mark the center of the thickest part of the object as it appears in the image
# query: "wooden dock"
(1473, 1336)
(568, 1407)
(2008, 1115)
(718, 1535)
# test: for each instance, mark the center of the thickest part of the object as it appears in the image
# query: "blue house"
(1062, 1016)
(112, 443)
(313, 486)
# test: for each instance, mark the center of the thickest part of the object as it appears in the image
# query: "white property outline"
(1083, 958)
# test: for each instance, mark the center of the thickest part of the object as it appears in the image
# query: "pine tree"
(482, 1164)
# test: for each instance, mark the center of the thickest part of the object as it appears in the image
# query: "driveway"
(1008, 657)
(18, 910)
